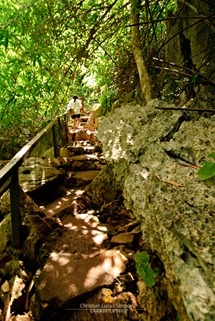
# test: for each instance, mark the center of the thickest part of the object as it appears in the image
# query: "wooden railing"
(9, 174)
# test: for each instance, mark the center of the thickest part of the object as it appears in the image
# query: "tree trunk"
(145, 79)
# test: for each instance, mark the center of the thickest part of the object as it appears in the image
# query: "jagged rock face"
(149, 152)
(190, 44)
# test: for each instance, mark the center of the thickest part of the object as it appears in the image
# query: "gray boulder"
(42, 178)
(38, 177)
(152, 157)
(37, 172)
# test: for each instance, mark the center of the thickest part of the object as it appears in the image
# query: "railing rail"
(9, 178)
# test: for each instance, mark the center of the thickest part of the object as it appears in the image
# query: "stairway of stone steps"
(85, 130)
(87, 259)
(83, 164)
(79, 261)
(81, 160)
(82, 253)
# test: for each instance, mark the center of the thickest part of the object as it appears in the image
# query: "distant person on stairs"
(74, 108)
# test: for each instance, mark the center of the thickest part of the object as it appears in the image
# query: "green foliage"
(43, 47)
(172, 6)
(212, 155)
(208, 169)
(46, 50)
(107, 99)
(144, 269)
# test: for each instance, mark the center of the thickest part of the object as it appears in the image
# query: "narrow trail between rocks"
(88, 261)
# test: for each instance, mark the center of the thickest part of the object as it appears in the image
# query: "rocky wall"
(152, 157)
(190, 49)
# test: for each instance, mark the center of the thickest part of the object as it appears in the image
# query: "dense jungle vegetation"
(99, 49)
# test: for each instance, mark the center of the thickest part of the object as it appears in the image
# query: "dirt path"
(84, 265)
(88, 269)
(87, 259)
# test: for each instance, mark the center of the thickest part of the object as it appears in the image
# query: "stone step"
(80, 150)
(80, 135)
(82, 162)
(81, 178)
(59, 279)
(84, 118)
(79, 263)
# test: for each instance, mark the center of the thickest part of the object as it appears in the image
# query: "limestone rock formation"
(152, 157)
(36, 174)
(35, 226)
(94, 117)
(38, 178)
(182, 49)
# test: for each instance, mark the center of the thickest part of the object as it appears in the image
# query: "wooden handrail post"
(15, 210)
(54, 141)
(66, 126)
(61, 126)
(9, 178)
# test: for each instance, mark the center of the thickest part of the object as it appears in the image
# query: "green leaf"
(206, 171)
(94, 16)
(144, 270)
(10, 100)
(149, 271)
(141, 271)
(6, 39)
(39, 62)
(149, 280)
(212, 155)
(193, 79)
(147, 274)
(142, 257)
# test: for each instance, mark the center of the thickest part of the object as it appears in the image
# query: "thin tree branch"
(100, 45)
(174, 70)
(190, 73)
(183, 29)
(171, 18)
(187, 109)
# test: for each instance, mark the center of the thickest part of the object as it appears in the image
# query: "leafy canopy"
(50, 50)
